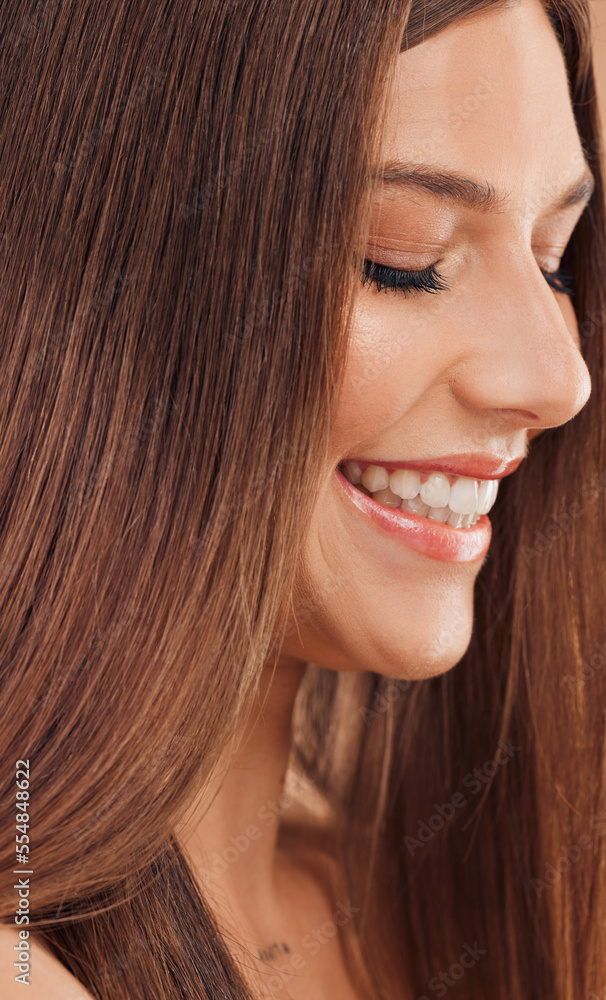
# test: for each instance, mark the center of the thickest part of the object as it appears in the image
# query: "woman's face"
(474, 370)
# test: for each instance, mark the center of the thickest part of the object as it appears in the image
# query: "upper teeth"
(460, 495)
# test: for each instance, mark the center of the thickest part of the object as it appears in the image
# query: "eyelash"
(430, 280)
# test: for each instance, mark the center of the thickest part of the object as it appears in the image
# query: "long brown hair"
(182, 184)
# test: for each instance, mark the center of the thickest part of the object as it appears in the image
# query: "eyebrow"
(481, 196)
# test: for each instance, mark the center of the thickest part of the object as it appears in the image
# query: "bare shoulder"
(42, 976)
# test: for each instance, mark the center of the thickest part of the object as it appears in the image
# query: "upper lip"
(474, 465)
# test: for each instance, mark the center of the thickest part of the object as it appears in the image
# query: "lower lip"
(438, 541)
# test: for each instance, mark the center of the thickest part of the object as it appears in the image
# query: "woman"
(296, 294)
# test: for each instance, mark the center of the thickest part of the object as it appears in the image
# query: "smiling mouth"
(458, 501)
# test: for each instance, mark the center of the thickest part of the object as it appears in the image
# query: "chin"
(425, 633)
(410, 630)
(414, 650)
(423, 656)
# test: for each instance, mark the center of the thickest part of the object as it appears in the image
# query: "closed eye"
(430, 280)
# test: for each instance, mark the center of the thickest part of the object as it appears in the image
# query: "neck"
(230, 833)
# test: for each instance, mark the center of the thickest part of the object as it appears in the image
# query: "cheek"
(389, 365)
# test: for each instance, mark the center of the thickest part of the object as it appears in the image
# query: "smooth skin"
(481, 367)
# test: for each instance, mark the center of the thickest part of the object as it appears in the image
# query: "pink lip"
(470, 464)
(438, 541)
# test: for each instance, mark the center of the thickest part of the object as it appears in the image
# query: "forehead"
(488, 96)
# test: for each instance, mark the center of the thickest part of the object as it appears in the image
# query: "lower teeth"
(443, 515)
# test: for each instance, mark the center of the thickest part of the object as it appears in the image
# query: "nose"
(525, 360)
